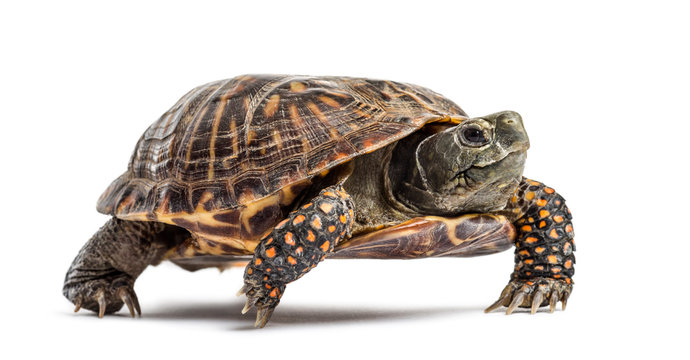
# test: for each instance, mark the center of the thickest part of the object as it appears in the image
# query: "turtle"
(280, 172)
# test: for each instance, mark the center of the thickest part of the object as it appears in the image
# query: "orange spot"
(298, 219)
(569, 228)
(250, 271)
(291, 260)
(299, 250)
(289, 239)
(541, 202)
(566, 247)
(553, 234)
(540, 249)
(557, 202)
(530, 219)
(325, 246)
(538, 267)
(281, 224)
(535, 183)
(294, 115)
(549, 190)
(568, 264)
(555, 270)
(524, 252)
(531, 240)
(268, 270)
(268, 286)
(297, 86)
(310, 236)
(331, 228)
(542, 224)
(271, 252)
(269, 241)
(316, 223)
(307, 206)
(544, 213)
(513, 199)
(326, 207)
(558, 219)
(330, 194)
(530, 283)
(529, 195)
(265, 278)
(529, 261)
(568, 281)
(271, 106)
(557, 276)
(257, 261)
(526, 228)
(339, 156)
(552, 259)
(343, 219)
(528, 273)
(274, 293)
(329, 101)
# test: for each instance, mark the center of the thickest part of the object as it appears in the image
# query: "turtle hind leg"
(294, 247)
(101, 277)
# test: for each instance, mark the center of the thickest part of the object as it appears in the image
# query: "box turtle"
(281, 172)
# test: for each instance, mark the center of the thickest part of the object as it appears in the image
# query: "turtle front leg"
(544, 259)
(294, 247)
(101, 277)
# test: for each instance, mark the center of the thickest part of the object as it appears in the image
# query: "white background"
(603, 90)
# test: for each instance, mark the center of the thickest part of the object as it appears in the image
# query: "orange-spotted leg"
(544, 256)
(294, 247)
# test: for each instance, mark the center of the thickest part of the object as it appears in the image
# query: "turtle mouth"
(479, 176)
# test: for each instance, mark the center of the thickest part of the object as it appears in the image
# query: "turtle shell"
(230, 155)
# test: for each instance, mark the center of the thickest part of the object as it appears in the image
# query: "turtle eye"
(474, 136)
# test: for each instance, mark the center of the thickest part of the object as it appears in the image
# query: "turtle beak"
(510, 136)
(511, 132)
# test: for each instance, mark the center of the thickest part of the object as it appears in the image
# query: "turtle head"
(472, 167)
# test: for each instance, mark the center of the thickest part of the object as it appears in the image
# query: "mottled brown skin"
(101, 277)
(239, 168)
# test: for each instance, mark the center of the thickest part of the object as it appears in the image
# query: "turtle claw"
(243, 290)
(505, 295)
(537, 300)
(263, 315)
(248, 305)
(100, 298)
(517, 300)
(553, 301)
(104, 296)
(533, 295)
(129, 298)
(77, 304)
(264, 302)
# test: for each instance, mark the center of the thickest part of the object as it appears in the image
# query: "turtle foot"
(533, 294)
(265, 300)
(104, 295)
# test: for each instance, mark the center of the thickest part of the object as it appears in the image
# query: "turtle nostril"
(510, 121)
